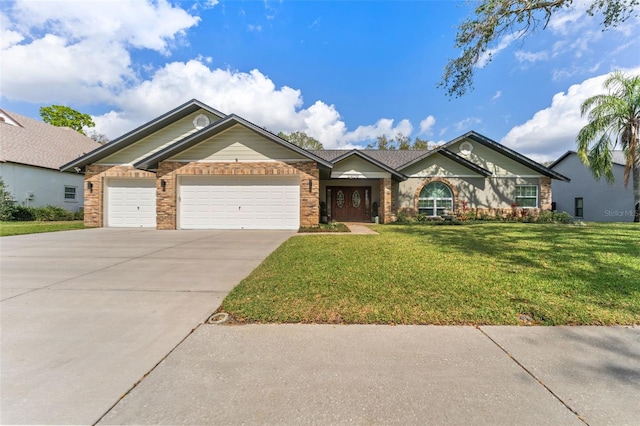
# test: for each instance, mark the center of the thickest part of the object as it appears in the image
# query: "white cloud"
(250, 95)
(467, 124)
(553, 130)
(522, 56)
(81, 54)
(60, 52)
(497, 96)
(427, 124)
(504, 42)
(569, 20)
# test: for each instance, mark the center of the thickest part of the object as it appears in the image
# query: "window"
(435, 198)
(527, 195)
(579, 210)
(201, 121)
(69, 193)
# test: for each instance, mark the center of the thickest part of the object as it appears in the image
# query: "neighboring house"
(31, 153)
(589, 199)
(197, 168)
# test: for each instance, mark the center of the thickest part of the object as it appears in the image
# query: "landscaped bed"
(491, 273)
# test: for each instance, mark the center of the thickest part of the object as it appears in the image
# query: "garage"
(239, 202)
(131, 203)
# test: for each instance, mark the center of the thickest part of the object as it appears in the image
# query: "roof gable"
(145, 131)
(31, 142)
(237, 143)
(168, 135)
(617, 158)
(433, 164)
(360, 159)
(151, 162)
(499, 167)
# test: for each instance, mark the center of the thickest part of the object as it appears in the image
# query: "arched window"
(435, 198)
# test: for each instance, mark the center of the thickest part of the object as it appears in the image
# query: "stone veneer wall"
(169, 172)
(94, 198)
(386, 201)
(544, 197)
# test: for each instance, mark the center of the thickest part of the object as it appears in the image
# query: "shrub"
(52, 213)
(563, 217)
(403, 217)
(22, 214)
(7, 203)
(79, 215)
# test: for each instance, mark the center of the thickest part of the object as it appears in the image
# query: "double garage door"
(232, 202)
(221, 202)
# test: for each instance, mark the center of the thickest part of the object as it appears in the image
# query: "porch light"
(90, 186)
(163, 184)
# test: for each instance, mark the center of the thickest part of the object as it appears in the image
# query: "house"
(31, 153)
(197, 168)
(589, 199)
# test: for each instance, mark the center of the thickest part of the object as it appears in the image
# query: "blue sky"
(342, 71)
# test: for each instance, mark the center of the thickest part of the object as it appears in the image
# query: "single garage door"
(131, 203)
(232, 202)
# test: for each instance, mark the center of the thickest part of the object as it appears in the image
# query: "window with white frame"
(69, 193)
(527, 195)
(435, 199)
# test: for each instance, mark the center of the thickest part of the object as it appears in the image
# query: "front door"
(349, 203)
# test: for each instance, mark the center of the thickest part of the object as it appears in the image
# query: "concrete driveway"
(86, 314)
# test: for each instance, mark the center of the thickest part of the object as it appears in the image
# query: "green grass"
(478, 274)
(20, 228)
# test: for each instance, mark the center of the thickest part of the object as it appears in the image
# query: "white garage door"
(225, 202)
(131, 203)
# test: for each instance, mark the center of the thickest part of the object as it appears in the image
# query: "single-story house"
(31, 153)
(198, 168)
(590, 199)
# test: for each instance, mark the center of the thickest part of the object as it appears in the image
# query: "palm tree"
(614, 121)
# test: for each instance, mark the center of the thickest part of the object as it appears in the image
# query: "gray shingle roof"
(392, 158)
(37, 143)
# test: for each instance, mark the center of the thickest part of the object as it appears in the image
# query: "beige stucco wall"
(478, 193)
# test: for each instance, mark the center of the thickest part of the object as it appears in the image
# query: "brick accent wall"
(169, 172)
(94, 198)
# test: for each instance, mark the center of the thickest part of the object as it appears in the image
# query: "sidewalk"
(370, 374)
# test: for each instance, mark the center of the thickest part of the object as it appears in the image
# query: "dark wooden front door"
(349, 203)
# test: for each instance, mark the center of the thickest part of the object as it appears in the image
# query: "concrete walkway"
(323, 374)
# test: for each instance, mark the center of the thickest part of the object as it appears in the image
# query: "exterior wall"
(94, 207)
(237, 144)
(170, 171)
(46, 185)
(486, 194)
(492, 160)
(438, 165)
(157, 141)
(355, 167)
(602, 202)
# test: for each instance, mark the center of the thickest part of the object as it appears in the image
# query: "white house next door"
(131, 203)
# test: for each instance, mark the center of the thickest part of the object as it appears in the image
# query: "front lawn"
(492, 273)
(19, 228)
